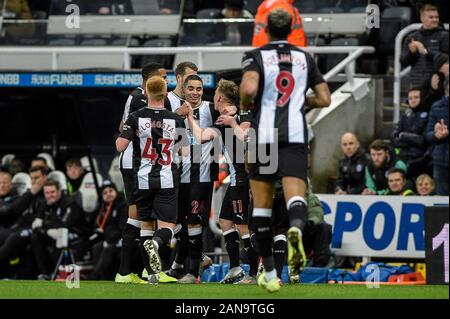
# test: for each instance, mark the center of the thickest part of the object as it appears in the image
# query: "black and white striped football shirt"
(233, 151)
(286, 72)
(200, 166)
(154, 132)
(136, 101)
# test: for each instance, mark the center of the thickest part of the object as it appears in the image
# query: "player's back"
(286, 72)
(154, 144)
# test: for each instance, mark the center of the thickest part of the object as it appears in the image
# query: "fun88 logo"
(388, 226)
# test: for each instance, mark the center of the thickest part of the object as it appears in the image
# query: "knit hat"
(107, 183)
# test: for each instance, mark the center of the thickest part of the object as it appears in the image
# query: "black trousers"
(316, 241)
(40, 245)
(106, 261)
(12, 243)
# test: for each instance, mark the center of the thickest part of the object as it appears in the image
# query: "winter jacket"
(439, 110)
(376, 177)
(422, 66)
(408, 136)
(351, 172)
(65, 214)
(112, 220)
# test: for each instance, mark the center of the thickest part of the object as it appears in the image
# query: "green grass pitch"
(109, 290)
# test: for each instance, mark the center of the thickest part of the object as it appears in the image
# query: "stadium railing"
(398, 72)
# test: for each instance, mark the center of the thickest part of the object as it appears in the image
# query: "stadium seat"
(86, 165)
(145, 7)
(49, 159)
(115, 175)
(393, 19)
(252, 5)
(357, 10)
(208, 13)
(125, 41)
(331, 10)
(63, 41)
(165, 60)
(59, 177)
(7, 159)
(316, 41)
(21, 182)
(93, 42)
(89, 197)
(333, 59)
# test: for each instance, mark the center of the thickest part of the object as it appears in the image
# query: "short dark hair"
(379, 145)
(41, 169)
(74, 161)
(397, 170)
(415, 88)
(151, 69)
(279, 24)
(39, 158)
(51, 182)
(181, 68)
(234, 4)
(192, 77)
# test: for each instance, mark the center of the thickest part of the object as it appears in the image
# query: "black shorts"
(157, 204)
(280, 216)
(292, 161)
(195, 202)
(235, 204)
(129, 183)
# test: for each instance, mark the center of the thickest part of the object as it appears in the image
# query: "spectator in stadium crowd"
(235, 9)
(425, 185)
(408, 139)
(233, 34)
(10, 207)
(423, 46)
(75, 174)
(109, 224)
(437, 135)
(351, 168)
(433, 91)
(40, 162)
(17, 165)
(59, 212)
(397, 183)
(260, 35)
(382, 160)
(19, 10)
(15, 238)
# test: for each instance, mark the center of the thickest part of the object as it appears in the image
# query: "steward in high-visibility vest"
(260, 36)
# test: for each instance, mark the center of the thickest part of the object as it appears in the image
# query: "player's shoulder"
(137, 92)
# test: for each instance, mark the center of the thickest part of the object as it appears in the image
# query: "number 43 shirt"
(286, 72)
(154, 133)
